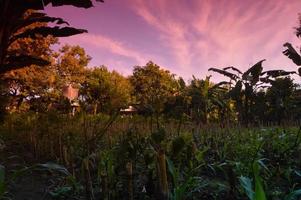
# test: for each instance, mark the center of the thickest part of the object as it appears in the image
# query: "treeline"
(254, 96)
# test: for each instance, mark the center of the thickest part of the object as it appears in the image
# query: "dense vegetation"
(193, 139)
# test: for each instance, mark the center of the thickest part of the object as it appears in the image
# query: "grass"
(121, 158)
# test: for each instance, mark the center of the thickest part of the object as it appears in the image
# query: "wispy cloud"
(207, 33)
(188, 36)
(173, 32)
(111, 45)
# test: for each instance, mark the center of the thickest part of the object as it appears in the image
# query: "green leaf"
(62, 191)
(246, 183)
(54, 167)
(173, 171)
(259, 191)
(293, 195)
(199, 156)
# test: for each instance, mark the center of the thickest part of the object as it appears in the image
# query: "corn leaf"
(246, 183)
(259, 191)
(293, 195)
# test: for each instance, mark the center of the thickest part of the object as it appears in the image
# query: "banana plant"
(242, 87)
(292, 54)
(205, 98)
(290, 51)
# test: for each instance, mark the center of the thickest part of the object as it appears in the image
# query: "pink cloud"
(219, 33)
(112, 45)
(172, 31)
(187, 36)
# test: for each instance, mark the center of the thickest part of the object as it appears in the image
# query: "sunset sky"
(185, 36)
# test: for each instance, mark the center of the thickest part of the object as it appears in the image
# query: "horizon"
(184, 38)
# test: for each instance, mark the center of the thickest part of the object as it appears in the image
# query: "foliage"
(106, 91)
(13, 23)
(212, 164)
(151, 87)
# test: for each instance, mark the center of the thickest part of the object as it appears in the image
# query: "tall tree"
(151, 87)
(105, 91)
(71, 63)
(206, 99)
(280, 99)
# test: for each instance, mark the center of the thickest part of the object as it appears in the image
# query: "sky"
(186, 37)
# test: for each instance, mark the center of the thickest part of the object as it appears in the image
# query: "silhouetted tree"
(14, 18)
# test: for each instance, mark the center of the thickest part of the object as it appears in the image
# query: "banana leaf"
(253, 73)
(38, 17)
(225, 73)
(277, 73)
(76, 3)
(233, 68)
(292, 54)
(16, 62)
(45, 31)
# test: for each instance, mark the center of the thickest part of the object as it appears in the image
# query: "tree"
(14, 18)
(32, 80)
(280, 99)
(38, 87)
(70, 67)
(206, 99)
(151, 88)
(176, 105)
(106, 91)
